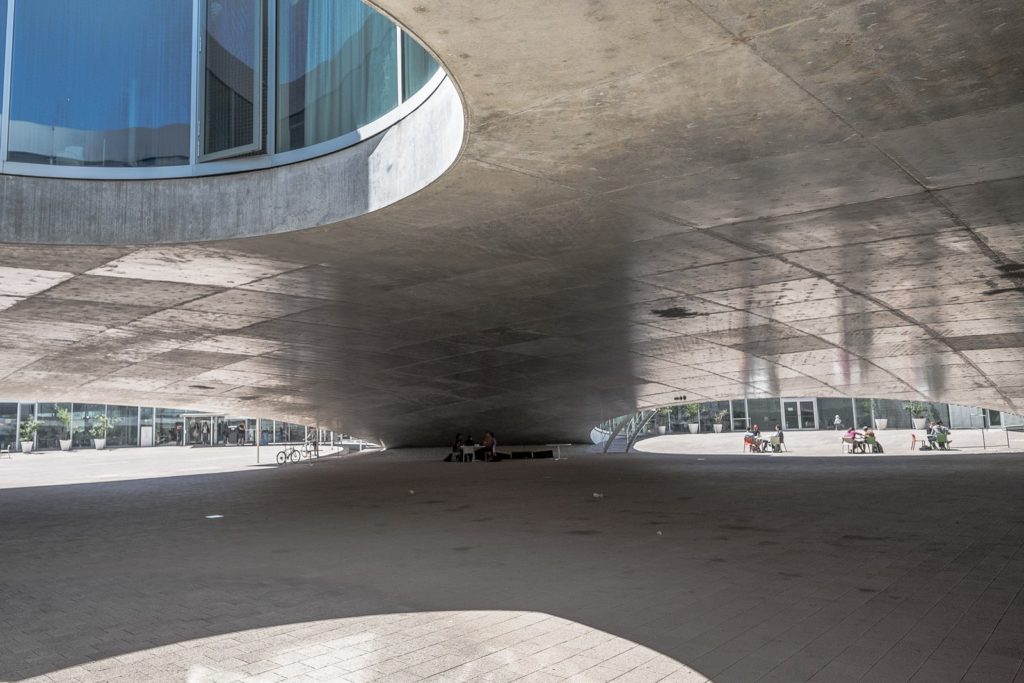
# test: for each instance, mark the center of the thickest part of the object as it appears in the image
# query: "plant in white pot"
(918, 413)
(664, 416)
(27, 433)
(718, 418)
(692, 417)
(880, 422)
(100, 426)
(64, 417)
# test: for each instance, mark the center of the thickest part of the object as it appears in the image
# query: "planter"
(65, 444)
(694, 426)
(100, 443)
(919, 422)
(718, 428)
(662, 429)
(26, 446)
(881, 422)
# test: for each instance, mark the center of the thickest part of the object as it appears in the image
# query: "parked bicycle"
(306, 451)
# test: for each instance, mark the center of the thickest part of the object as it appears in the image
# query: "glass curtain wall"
(126, 426)
(83, 417)
(828, 408)
(109, 83)
(51, 430)
(101, 83)
(8, 424)
(765, 413)
(233, 77)
(417, 66)
(170, 427)
(337, 70)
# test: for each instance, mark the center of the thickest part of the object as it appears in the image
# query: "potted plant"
(64, 417)
(101, 425)
(27, 433)
(664, 415)
(693, 417)
(918, 413)
(718, 418)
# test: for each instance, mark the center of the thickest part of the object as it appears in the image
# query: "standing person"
(837, 423)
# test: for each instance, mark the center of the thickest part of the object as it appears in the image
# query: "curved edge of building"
(351, 182)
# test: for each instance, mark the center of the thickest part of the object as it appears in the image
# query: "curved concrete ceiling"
(717, 198)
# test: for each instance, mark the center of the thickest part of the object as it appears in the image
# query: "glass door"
(799, 413)
(791, 414)
(808, 419)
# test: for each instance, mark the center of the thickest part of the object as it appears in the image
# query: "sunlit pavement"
(829, 443)
(739, 568)
(51, 468)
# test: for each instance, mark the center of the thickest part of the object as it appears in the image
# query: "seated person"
(456, 453)
(488, 448)
(855, 439)
(780, 436)
(870, 438)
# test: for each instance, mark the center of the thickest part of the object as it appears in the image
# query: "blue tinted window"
(101, 83)
(337, 69)
(417, 66)
(3, 53)
(234, 58)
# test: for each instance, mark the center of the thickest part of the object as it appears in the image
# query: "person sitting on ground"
(456, 453)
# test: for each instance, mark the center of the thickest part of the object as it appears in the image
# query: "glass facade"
(417, 66)
(101, 83)
(83, 416)
(8, 425)
(233, 76)
(337, 70)
(143, 426)
(126, 426)
(141, 84)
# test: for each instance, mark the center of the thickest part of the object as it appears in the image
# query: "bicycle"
(288, 454)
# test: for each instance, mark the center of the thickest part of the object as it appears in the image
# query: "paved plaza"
(640, 567)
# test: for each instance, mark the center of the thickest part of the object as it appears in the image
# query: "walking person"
(837, 423)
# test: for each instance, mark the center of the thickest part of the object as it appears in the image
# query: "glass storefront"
(83, 417)
(125, 431)
(143, 426)
(764, 412)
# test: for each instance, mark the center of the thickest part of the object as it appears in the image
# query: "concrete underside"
(740, 568)
(712, 198)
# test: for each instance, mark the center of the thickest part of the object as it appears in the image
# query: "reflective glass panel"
(101, 83)
(3, 53)
(84, 416)
(417, 66)
(337, 64)
(8, 424)
(126, 426)
(234, 58)
(170, 427)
